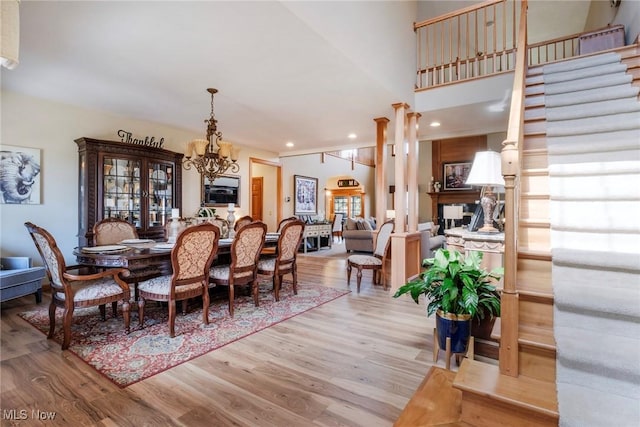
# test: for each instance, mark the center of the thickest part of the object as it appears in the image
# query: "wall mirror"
(223, 190)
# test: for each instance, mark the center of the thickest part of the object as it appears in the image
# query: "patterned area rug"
(126, 359)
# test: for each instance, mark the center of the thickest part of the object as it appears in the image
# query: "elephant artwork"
(19, 175)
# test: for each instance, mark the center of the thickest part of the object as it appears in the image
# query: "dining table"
(144, 255)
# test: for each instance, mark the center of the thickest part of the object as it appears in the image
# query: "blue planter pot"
(457, 327)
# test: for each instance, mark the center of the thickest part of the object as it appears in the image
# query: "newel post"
(509, 301)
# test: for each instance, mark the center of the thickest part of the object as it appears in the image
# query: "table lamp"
(487, 172)
(451, 212)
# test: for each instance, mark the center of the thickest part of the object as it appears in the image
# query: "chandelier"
(213, 157)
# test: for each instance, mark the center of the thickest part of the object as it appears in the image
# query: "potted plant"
(457, 289)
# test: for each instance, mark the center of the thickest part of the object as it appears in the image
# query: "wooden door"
(256, 198)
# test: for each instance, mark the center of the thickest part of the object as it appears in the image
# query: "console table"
(316, 231)
(491, 245)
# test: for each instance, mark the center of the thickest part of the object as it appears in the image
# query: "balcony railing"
(478, 41)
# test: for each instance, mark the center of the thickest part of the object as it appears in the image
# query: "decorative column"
(381, 169)
(412, 171)
(405, 246)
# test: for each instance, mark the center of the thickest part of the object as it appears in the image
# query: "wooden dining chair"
(245, 250)
(375, 262)
(285, 260)
(336, 227)
(110, 231)
(242, 221)
(113, 230)
(191, 260)
(70, 291)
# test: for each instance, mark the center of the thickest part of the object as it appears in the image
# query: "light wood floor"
(355, 361)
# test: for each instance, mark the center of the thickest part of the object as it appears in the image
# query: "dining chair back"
(336, 229)
(285, 260)
(245, 250)
(71, 291)
(285, 221)
(113, 230)
(242, 221)
(191, 260)
(377, 261)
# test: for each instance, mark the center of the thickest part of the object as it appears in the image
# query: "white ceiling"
(310, 72)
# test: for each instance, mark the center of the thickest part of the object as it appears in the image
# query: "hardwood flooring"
(355, 361)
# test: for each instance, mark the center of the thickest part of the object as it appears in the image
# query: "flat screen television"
(222, 191)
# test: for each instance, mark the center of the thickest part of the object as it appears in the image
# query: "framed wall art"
(455, 175)
(20, 175)
(305, 201)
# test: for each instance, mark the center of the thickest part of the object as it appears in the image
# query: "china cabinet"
(136, 183)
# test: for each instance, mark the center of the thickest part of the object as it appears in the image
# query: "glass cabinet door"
(122, 189)
(160, 197)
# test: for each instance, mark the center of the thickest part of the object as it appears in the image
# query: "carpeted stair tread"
(589, 125)
(584, 62)
(599, 71)
(587, 84)
(609, 409)
(613, 357)
(601, 142)
(591, 95)
(524, 392)
(591, 109)
(594, 168)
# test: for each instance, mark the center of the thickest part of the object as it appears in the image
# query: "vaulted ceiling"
(306, 72)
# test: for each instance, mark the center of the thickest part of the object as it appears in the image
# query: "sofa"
(18, 278)
(430, 241)
(357, 234)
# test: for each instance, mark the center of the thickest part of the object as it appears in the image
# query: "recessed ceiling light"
(289, 144)
(434, 124)
(352, 136)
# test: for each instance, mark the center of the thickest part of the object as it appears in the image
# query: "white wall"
(310, 165)
(52, 128)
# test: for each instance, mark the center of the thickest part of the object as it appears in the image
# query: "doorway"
(265, 192)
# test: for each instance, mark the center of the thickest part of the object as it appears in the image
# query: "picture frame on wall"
(305, 200)
(455, 175)
(20, 177)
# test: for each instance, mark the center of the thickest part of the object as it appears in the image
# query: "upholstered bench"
(18, 278)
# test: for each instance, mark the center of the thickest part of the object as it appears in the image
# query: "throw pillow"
(360, 224)
(367, 225)
(351, 224)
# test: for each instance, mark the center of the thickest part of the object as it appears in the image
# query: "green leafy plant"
(456, 284)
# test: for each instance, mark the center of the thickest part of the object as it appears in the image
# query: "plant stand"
(447, 350)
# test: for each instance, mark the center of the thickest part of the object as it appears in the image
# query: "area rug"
(127, 359)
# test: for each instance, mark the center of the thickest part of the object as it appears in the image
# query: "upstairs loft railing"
(477, 41)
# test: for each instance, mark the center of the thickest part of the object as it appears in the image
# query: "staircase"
(492, 399)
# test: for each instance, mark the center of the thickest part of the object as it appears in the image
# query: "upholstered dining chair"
(375, 262)
(71, 291)
(336, 228)
(113, 230)
(191, 259)
(285, 221)
(242, 221)
(245, 250)
(271, 251)
(285, 260)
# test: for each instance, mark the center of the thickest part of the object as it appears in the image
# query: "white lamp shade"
(452, 212)
(486, 169)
